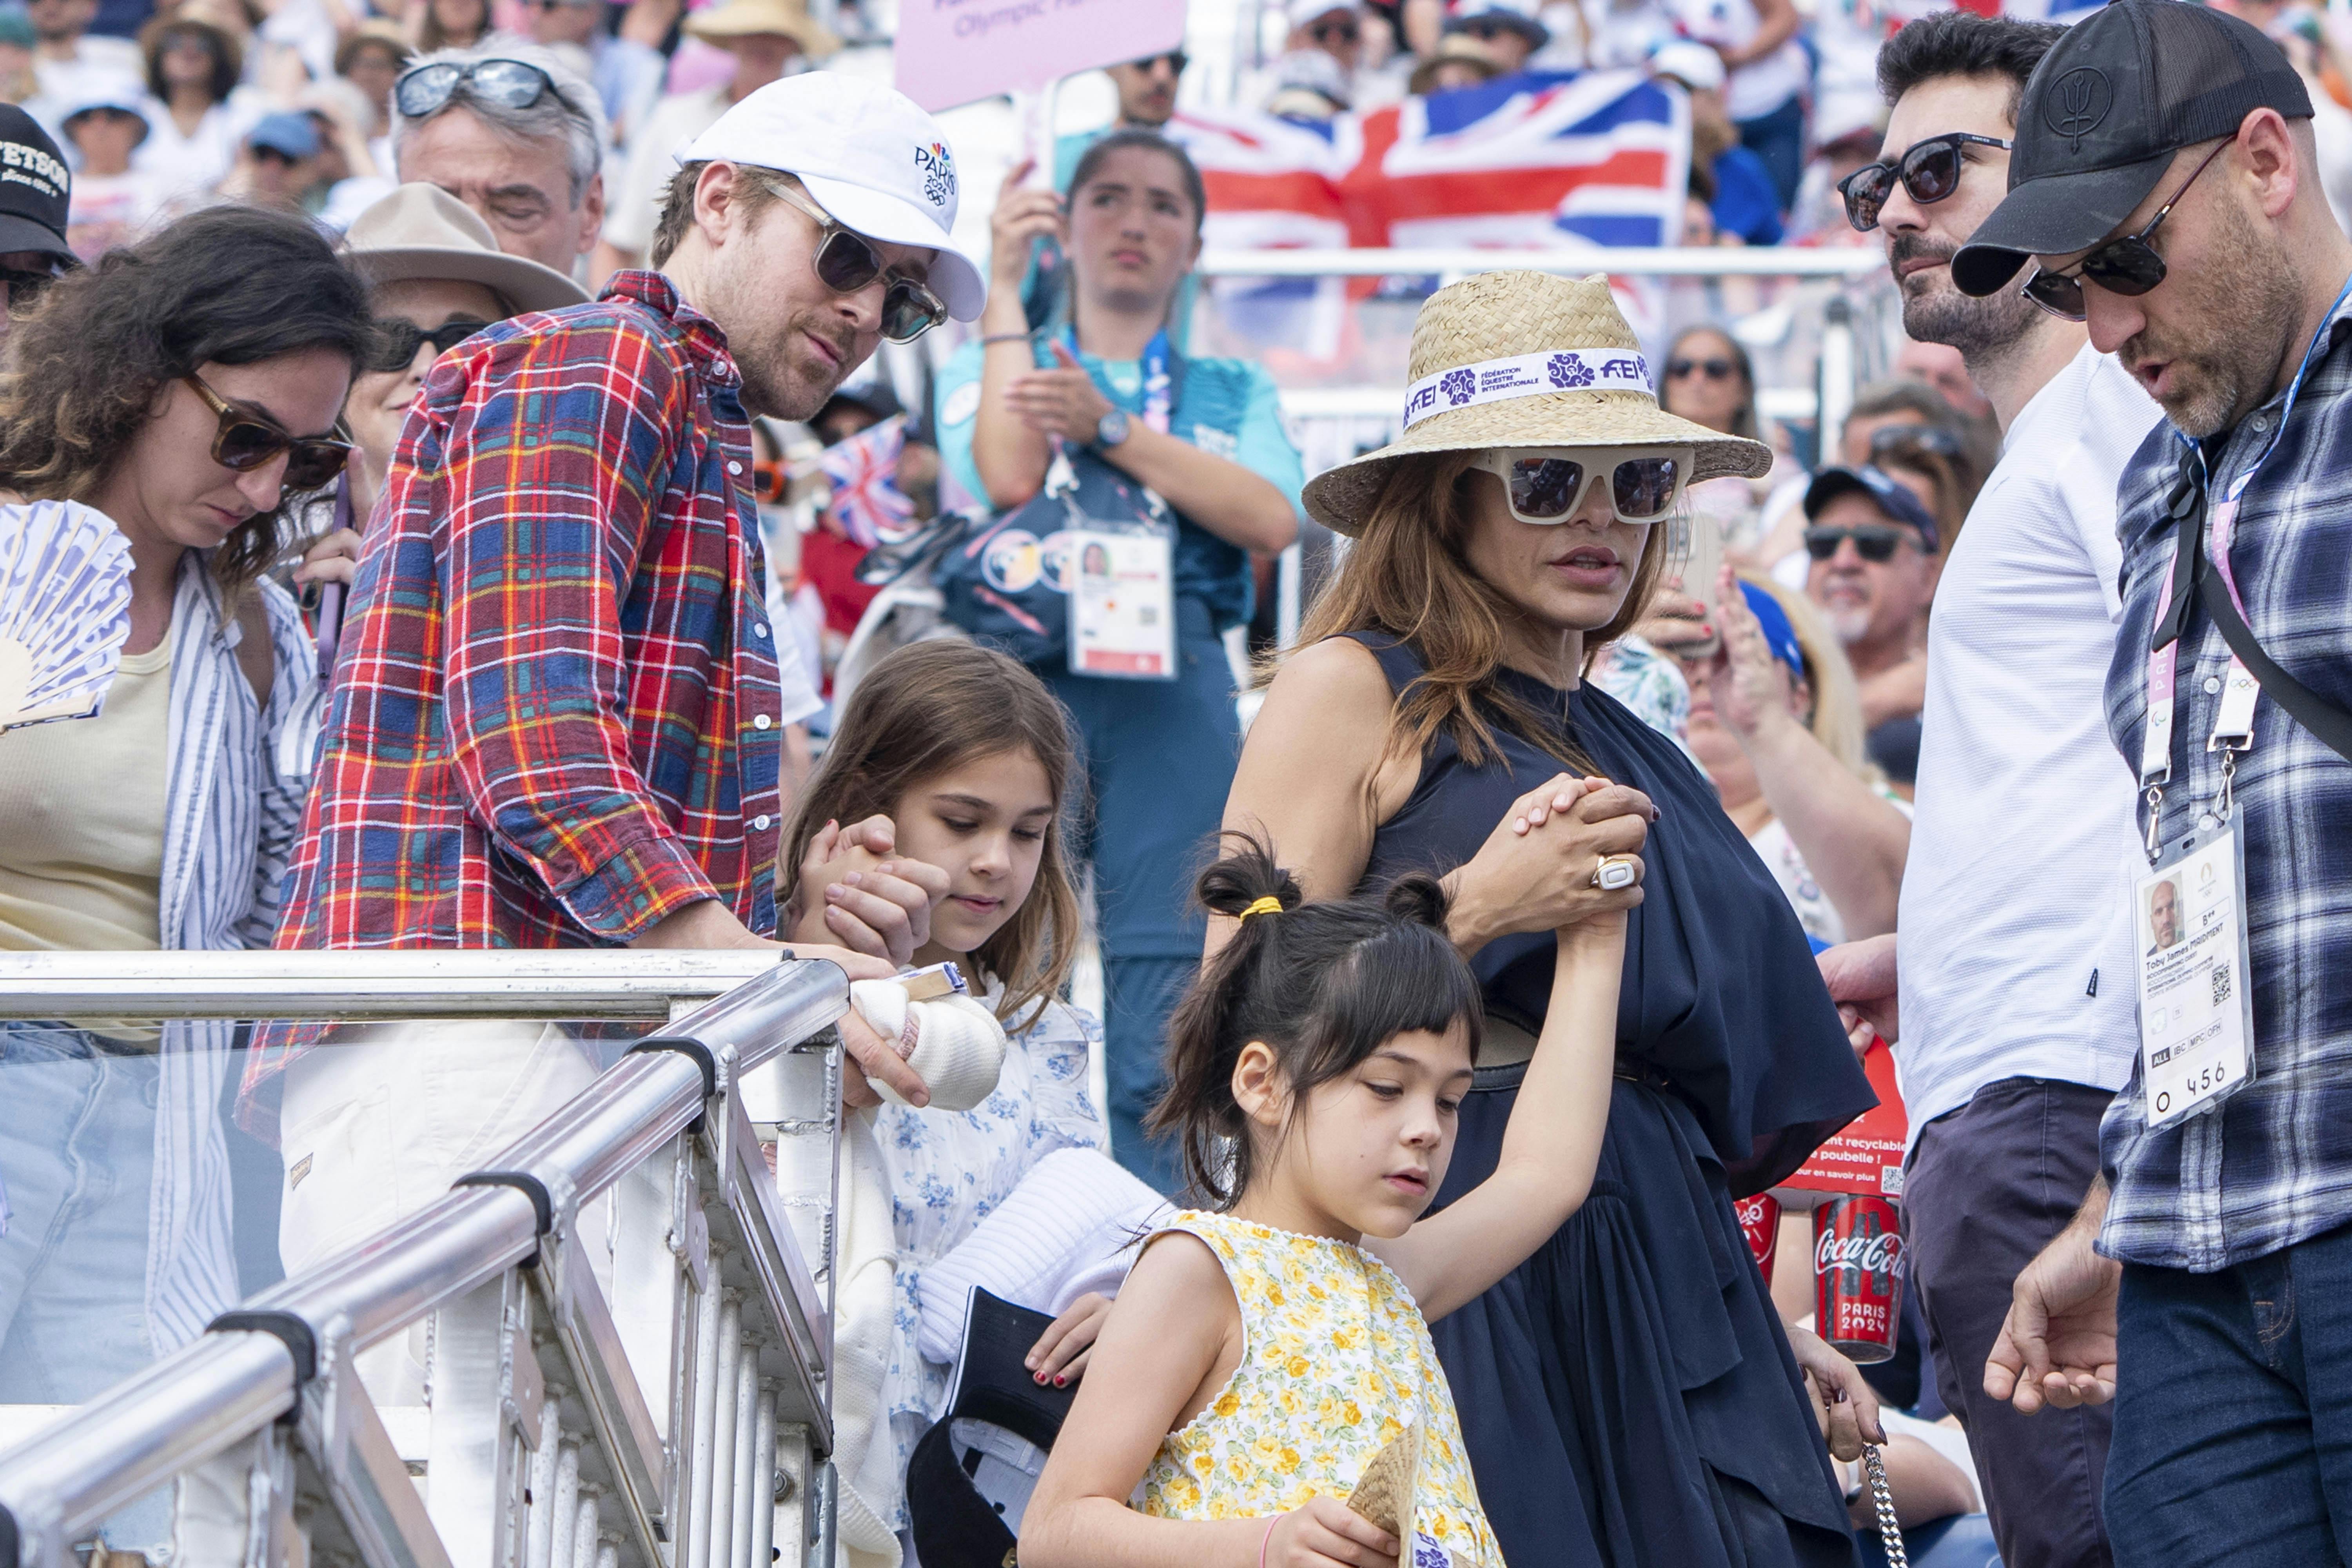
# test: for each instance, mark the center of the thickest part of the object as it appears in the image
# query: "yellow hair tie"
(1267, 906)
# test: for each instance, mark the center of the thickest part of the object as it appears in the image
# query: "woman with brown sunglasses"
(185, 387)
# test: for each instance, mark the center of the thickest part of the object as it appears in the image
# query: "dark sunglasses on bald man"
(244, 442)
(2127, 264)
(1929, 169)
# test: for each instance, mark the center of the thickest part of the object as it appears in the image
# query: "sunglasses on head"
(1930, 171)
(1914, 438)
(398, 340)
(1713, 368)
(1876, 542)
(1548, 484)
(245, 442)
(422, 91)
(845, 263)
(2127, 264)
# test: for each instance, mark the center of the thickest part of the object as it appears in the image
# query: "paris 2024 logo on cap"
(2078, 104)
(938, 173)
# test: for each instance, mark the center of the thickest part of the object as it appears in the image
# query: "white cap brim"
(954, 277)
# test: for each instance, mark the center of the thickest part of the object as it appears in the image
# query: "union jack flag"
(1541, 160)
(868, 507)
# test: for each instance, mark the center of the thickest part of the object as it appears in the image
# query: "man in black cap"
(35, 193)
(2163, 189)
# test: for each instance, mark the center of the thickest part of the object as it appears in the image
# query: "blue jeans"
(77, 1162)
(2233, 1412)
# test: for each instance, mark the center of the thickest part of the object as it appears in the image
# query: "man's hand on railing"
(867, 1056)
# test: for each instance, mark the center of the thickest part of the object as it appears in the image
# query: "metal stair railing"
(680, 1421)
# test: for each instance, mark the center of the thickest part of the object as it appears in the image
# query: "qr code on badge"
(2221, 984)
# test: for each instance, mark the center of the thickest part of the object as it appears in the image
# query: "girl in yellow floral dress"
(1265, 1349)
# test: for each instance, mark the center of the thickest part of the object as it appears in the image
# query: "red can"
(1760, 1220)
(1858, 1264)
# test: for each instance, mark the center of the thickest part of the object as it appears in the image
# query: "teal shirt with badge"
(1227, 407)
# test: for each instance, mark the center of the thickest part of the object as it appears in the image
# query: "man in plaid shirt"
(2207, 1284)
(555, 723)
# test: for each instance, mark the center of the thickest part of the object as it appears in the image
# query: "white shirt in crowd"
(2016, 929)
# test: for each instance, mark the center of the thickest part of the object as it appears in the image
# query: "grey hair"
(577, 116)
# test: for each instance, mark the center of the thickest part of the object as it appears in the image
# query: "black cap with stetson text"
(35, 189)
(2102, 116)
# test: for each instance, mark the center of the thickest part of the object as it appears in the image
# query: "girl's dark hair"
(1091, 163)
(83, 368)
(924, 709)
(227, 54)
(1322, 985)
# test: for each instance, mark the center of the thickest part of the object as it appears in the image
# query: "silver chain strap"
(1890, 1533)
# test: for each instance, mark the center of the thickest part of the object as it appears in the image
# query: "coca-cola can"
(1858, 1265)
(1759, 1221)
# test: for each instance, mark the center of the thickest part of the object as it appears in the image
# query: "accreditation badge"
(1122, 603)
(2196, 1016)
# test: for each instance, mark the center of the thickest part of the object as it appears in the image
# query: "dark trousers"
(1778, 138)
(2233, 1412)
(1988, 1186)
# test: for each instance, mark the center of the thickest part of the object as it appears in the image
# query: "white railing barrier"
(683, 1422)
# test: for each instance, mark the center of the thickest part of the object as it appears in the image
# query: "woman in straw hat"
(1627, 1395)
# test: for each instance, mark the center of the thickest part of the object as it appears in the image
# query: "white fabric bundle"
(954, 1043)
(1066, 1230)
(956, 1046)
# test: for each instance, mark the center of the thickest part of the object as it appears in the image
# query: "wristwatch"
(1111, 428)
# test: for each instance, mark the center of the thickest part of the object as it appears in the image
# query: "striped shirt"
(556, 720)
(2271, 1164)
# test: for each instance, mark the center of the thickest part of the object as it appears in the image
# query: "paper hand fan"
(65, 610)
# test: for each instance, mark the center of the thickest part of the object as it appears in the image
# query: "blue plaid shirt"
(2272, 1165)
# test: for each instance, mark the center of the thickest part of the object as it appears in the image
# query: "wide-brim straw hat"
(422, 231)
(1525, 359)
(742, 18)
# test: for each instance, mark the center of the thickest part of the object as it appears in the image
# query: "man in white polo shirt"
(2016, 993)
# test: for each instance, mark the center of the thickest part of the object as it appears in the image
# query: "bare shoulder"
(1177, 1267)
(1339, 670)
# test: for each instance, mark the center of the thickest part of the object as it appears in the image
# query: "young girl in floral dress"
(1265, 1349)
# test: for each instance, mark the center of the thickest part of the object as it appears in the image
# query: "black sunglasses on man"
(1930, 170)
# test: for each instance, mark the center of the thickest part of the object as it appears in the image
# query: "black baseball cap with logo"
(2127, 88)
(35, 189)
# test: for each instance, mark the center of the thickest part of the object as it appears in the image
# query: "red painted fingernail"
(1060, 1378)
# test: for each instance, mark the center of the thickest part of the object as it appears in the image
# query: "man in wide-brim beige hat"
(1526, 360)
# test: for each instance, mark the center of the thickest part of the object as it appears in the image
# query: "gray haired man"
(513, 133)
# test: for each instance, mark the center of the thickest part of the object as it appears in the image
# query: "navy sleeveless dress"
(1627, 1396)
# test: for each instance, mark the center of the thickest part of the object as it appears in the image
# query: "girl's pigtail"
(1206, 1032)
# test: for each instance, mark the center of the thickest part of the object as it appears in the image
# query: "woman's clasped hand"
(1522, 880)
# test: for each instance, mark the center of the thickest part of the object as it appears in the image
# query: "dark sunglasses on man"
(1913, 439)
(845, 263)
(1876, 542)
(397, 340)
(25, 284)
(1335, 30)
(2127, 264)
(1174, 59)
(422, 91)
(246, 441)
(1929, 169)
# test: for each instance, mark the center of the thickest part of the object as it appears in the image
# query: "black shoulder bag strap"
(2330, 723)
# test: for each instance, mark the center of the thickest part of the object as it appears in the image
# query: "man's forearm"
(706, 923)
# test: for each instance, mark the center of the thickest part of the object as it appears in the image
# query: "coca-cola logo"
(1878, 1254)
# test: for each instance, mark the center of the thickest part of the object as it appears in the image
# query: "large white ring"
(1615, 871)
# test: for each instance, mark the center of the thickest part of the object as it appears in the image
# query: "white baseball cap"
(867, 155)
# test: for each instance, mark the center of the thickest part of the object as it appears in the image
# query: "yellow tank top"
(1335, 1359)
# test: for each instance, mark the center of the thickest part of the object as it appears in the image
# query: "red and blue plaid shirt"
(554, 722)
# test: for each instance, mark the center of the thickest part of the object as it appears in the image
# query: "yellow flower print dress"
(1335, 1357)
